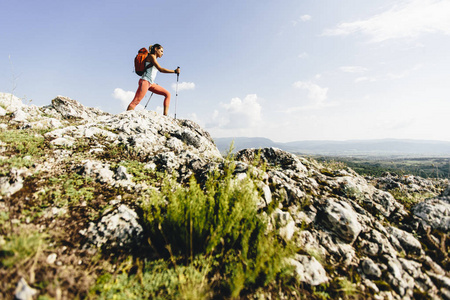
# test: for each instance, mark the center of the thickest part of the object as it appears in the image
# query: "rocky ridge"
(347, 228)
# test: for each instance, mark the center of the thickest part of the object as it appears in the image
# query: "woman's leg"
(154, 88)
(140, 93)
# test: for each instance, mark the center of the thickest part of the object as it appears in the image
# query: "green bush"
(220, 222)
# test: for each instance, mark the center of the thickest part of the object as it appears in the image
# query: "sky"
(285, 70)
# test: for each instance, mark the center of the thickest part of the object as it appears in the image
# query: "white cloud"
(364, 78)
(238, 114)
(409, 19)
(125, 97)
(315, 92)
(404, 73)
(391, 75)
(353, 69)
(183, 86)
(303, 55)
(305, 18)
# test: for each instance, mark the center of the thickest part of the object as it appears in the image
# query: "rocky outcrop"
(342, 223)
(116, 229)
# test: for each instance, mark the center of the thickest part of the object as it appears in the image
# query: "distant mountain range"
(384, 147)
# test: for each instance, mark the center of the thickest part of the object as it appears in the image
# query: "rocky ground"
(70, 174)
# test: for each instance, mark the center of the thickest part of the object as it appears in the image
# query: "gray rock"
(384, 203)
(63, 141)
(266, 193)
(121, 174)
(409, 243)
(340, 251)
(51, 259)
(19, 116)
(274, 157)
(14, 183)
(435, 212)
(309, 270)
(69, 108)
(10, 102)
(46, 123)
(285, 224)
(308, 242)
(401, 281)
(97, 170)
(370, 268)
(24, 291)
(119, 228)
(374, 243)
(340, 218)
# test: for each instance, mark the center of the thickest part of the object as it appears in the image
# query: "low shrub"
(211, 239)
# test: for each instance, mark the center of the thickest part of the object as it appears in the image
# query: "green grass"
(22, 147)
(155, 280)
(67, 189)
(20, 248)
(140, 173)
(410, 199)
(211, 240)
(23, 142)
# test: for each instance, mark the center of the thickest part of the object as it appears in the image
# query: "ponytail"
(152, 48)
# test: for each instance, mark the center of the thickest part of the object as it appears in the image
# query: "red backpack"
(139, 61)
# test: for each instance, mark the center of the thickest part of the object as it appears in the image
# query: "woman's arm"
(156, 64)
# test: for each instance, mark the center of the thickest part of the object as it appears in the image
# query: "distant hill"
(383, 147)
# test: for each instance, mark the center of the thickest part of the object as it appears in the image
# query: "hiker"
(147, 81)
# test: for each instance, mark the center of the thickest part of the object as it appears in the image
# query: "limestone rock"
(19, 116)
(435, 212)
(370, 268)
(117, 229)
(69, 108)
(10, 102)
(409, 243)
(97, 170)
(309, 270)
(14, 183)
(339, 217)
(24, 291)
(285, 223)
(273, 156)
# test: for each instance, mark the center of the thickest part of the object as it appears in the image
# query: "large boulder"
(69, 108)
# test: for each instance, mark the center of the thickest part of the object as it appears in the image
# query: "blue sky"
(285, 70)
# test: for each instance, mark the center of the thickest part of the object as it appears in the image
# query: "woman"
(147, 81)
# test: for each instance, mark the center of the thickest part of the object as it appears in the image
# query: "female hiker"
(147, 81)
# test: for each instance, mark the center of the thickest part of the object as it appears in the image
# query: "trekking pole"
(148, 100)
(176, 95)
